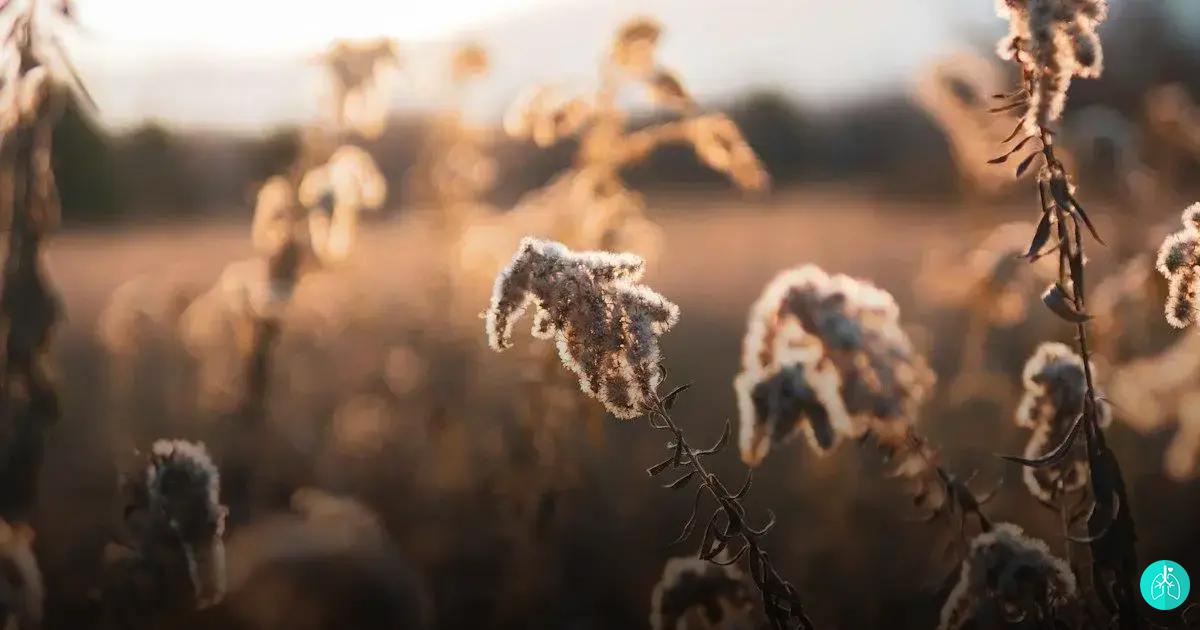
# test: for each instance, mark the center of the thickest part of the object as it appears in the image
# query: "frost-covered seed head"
(183, 487)
(1007, 577)
(1055, 395)
(1053, 41)
(694, 591)
(826, 355)
(606, 325)
(1178, 261)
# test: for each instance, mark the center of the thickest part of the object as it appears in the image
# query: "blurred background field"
(383, 389)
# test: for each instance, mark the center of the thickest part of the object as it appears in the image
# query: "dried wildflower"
(1178, 259)
(695, 594)
(1053, 41)
(720, 144)
(1008, 578)
(606, 325)
(546, 114)
(634, 46)
(1055, 394)
(361, 74)
(1174, 118)
(334, 194)
(183, 489)
(826, 354)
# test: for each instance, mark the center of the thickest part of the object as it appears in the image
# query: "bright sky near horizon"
(257, 27)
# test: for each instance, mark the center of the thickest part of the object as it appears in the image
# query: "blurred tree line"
(887, 145)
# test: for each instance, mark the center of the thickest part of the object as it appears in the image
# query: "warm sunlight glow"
(244, 27)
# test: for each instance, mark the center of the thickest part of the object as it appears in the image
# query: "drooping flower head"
(605, 324)
(361, 73)
(334, 194)
(1053, 41)
(1178, 260)
(634, 46)
(1008, 577)
(695, 593)
(183, 489)
(1055, 395)
(825, 355)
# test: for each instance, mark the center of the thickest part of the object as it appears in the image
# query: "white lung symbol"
(1166, 585)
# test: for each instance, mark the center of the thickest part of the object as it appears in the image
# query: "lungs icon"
(1166, 585)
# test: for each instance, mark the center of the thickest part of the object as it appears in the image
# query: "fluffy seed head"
(1178, 261)
(605, 324)
(1007, 577)
(634, 46)
(1053, 41)
(826, 355)
(720, 144)
(183, 487)
(1055, 395)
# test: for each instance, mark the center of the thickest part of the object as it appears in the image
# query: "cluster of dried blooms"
(955, 92)
(590, 206)
(694, 594)
(183, 489)
(1178, 259)
(826, 356)
(1009, 578)
(1053, 41)
(334, 194)
(606, 325)
(361, 74)
(174, 558)
(1055, 394)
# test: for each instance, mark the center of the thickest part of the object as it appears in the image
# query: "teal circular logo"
(1165, 585)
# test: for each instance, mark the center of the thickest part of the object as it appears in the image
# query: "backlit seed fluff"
(719, 143)
(695, 594)
(825, 355)
(546, 115)
(605, 324)
(634, 46)
(1055, 394)
(1008, 578)
(1053, 40)
(334, 194)
(1178, 259)
(183, 487)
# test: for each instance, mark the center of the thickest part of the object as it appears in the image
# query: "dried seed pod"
(605, 324)
(1006, 578)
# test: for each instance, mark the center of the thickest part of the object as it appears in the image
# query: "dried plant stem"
(29, 308)
(780, 600)
(1111, 530)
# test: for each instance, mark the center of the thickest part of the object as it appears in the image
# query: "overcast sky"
(243, 64)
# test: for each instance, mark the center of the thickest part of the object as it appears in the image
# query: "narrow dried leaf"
(1040, 236)
(681, 482)
(1056, 454)
(1055, 298)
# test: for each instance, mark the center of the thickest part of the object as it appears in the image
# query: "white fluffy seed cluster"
(606, 325)
(1007, 577)
(1055, 393)
(1053, 41)
(1178, 261)
(183, 487)
(334, 194)
(695, 593)
(826, 356)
